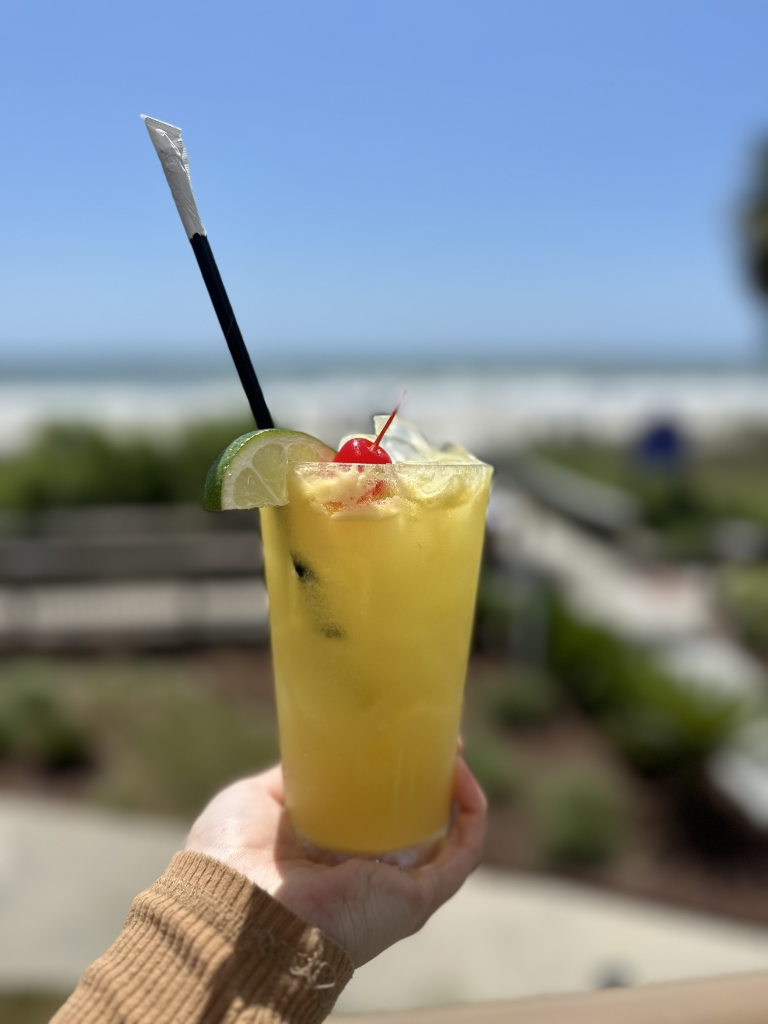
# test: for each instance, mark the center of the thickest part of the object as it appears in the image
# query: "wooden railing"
(733, 999)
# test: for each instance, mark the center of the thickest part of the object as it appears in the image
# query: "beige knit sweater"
(205, 945)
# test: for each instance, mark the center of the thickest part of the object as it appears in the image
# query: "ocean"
(485, 407)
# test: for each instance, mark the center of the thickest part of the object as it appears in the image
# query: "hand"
(363, 905)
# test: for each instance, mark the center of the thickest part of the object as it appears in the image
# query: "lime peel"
(252, 471)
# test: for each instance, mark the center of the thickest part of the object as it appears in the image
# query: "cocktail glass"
(372, 576)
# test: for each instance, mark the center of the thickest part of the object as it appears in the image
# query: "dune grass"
(157, 734)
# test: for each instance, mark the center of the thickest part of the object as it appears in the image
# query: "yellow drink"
(372, 574)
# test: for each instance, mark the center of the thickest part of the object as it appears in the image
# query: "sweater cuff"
(205, 944)
(253, 921)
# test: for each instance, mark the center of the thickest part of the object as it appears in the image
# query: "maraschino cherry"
(361, 450)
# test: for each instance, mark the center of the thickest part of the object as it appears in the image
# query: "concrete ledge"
(735, 999)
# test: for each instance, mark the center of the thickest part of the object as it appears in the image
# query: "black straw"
(232, 335)
(170, 148)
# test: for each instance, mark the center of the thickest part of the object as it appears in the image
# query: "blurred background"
(549, 222)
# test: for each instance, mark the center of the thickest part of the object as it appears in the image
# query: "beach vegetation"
(82, 465)
(580, 819)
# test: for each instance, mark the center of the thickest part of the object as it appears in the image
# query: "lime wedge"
(251, 472)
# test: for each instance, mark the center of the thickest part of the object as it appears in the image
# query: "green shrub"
(743, 592)
(5, 739)
(670, 727)
(65, 745)
(494, 612)
(659, 724)
(76, 465)
(37, 729)
(161, 735)
(579, 819)
(670, 500)
(494, 768)
(648, 737)
(524, 697)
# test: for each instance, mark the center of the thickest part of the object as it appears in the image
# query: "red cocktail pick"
(361, 450)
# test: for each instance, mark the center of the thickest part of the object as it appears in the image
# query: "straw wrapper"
(166, 138)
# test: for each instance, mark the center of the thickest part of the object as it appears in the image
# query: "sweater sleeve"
(205, 945)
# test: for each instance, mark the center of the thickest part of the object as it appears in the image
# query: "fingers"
(465, 841)
(467, 791)
(464, 845)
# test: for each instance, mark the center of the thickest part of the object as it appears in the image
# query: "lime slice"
(251, 472)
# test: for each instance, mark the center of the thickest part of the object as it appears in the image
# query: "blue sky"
(544, 178)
